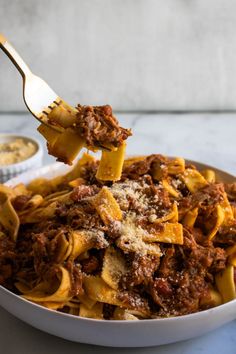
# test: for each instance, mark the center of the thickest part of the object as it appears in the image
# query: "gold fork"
(39, 98)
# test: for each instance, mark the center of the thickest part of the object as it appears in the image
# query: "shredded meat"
(231, 191)
(20, 201)
(108, 311)
(79, 215)
(76, 278)
(170, 282)
(90, 265)
(41, 258)
(226, 235)
(7, 257)
(206, 199)
(203, 257)
(181, 278)
(143, 167)
(88, 172)
(83, 192)
(99, 127)
(141, 271)
(168, 264)
(134, 301)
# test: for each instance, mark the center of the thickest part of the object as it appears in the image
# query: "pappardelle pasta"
(159, 242)
(67, 130)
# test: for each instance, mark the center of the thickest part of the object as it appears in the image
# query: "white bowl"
(114, 333)
(35, 161)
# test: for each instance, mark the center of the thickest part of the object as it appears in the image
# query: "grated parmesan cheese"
(131, 239)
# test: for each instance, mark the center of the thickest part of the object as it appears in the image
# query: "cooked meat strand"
(167, 279)
(98, 126)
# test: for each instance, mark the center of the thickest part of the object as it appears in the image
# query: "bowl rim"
(35, 141)
(194, 315)
(57, 166)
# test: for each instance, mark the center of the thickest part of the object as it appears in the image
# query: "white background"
(134, 54)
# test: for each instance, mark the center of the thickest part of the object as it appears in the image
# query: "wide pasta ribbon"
(193, 180)
(106, 206)
(224, 215)
(8, 216)
(43, 291)
(114, 267)
(97, 289)
(226, 284)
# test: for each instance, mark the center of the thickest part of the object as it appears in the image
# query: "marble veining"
(208, 138)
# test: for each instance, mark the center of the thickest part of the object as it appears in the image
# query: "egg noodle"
(70, 129)
(159, 242)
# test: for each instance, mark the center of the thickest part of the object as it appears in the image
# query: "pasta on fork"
(69, 129)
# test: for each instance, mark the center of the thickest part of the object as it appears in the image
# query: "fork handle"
(14, 57)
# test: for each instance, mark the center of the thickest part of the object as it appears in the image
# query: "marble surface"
(208, 138)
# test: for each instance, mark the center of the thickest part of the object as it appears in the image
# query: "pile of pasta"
(160, 242)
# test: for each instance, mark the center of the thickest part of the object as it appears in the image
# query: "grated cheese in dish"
(16, 151)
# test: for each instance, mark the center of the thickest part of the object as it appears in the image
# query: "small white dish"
(142, 333)
(33, 162)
